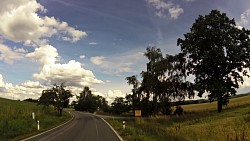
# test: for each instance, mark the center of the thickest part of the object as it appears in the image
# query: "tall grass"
(16, 119)
(233, 124)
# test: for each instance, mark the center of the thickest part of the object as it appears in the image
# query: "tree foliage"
(89, 102)
(135, 97)
(217, 53)
(57, 96)
(162, 82)
(119, 105)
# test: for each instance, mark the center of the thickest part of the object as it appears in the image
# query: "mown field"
(16, 119)
(201, 123)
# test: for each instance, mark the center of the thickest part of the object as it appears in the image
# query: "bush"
(179, 110)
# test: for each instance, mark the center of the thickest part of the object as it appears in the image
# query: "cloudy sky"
(95, 43)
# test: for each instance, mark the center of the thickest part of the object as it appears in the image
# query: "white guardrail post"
(123, 125)
(33, 115)
(38, 126)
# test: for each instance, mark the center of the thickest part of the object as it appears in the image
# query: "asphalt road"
(83, 127)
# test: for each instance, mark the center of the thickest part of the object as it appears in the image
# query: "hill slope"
(16, 119)
(233, 102)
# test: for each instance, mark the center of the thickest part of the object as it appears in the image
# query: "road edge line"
(49, 129)
(113, 130)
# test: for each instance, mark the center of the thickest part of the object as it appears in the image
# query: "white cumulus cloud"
(97, 60)
(112, 94)
(117, 64)
(27, 89)
(46, 54)
(21, 22)
(161, 8)
(32, 84)
(72, 74)
(9, 55)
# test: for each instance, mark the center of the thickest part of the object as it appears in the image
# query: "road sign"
(138, 113)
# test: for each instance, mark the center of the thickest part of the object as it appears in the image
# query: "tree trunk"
(219, 103)
(59, 111)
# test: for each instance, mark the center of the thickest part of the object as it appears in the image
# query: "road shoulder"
(72, 117)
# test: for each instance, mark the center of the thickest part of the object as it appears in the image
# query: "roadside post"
(38, 126)
(123, 125)
(33, 115)
(138, 115)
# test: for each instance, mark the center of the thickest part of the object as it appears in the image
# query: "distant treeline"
(187, 102)
(31, 100)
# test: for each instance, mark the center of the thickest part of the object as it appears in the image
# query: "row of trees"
(215, 52)
(58, 97)
(89, 102)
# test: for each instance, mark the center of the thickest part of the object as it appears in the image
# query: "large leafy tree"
(89, 102)
(174, 85)
(57, 96)
(217, 53)
(151, 83)
(162, 82)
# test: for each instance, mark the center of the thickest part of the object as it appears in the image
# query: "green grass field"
(233, 124)
(234, 102)
(16, 119)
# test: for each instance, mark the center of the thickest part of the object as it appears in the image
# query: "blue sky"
(93, 43)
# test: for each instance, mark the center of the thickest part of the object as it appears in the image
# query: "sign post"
(138, 115)
(38, 126)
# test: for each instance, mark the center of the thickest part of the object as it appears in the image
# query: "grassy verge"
(16, 119)
(232, 124)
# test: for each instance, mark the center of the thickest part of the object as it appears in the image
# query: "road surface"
(83, 127)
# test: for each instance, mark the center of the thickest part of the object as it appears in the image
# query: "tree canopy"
(119, 105)
(161, 84)
(217, 53)
(57, 96)
(89, 102)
